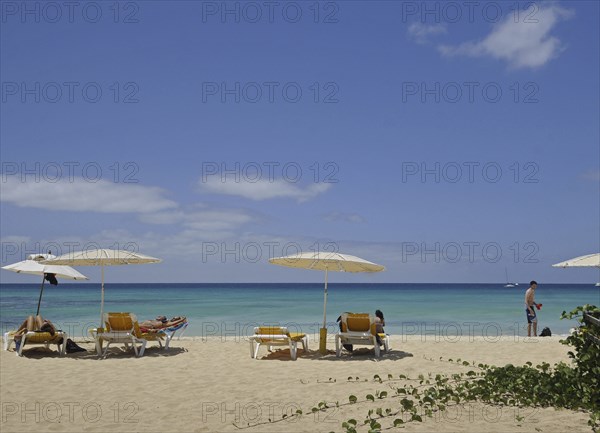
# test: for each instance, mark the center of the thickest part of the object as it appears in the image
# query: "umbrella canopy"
(323, 261)
(327, 261)
(588, 261)
(102, 258)
(33, 266)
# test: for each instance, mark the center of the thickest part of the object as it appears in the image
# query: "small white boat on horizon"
(509, 284)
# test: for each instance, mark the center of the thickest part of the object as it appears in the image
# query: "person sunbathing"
(36, 323)
(160, 323)
(30, 324)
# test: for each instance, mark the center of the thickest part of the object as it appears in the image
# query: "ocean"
(232, 310)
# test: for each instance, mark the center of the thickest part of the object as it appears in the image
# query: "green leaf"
(428, 400)
(352, 399)
(375, 426)
(370, 397)
(416, 417)
(406, 403)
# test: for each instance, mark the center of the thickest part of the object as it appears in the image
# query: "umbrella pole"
(323, 330)
(102, 297)
(41, 292)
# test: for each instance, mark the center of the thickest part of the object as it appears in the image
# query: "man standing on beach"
(529, 310)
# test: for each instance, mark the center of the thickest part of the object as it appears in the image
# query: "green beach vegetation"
(574, 387)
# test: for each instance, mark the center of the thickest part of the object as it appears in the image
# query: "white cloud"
(524, 43)
(421, 32)
(80, 195)
(344, 217)
(202, 218)
(263, 189)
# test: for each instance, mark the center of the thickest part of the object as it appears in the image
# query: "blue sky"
(445, 143)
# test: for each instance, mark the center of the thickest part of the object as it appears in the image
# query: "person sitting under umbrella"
(379, 324)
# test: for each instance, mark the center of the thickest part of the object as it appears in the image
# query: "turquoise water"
(230, 310)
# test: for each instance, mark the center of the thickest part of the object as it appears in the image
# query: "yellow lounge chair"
(123, 328)
(277, 336)
(37, 337)
(359, 329)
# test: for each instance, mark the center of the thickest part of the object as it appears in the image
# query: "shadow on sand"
(362, 354)
(115, 352)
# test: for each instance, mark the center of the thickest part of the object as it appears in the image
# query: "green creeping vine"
(571, 387)
(574, 387)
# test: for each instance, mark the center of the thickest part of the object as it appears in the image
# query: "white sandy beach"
(214, 385)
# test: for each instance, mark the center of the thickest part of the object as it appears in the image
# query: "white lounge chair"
(277, 336)
(359, 329)
(123, 328)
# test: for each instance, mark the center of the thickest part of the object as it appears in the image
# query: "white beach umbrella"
(327, 261)
(588, 261)
(33, 266)
(102, 258)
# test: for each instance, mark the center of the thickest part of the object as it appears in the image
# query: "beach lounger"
(37, 337)
(123, 328)
(168, 329)
(277, 336)
(359, 329)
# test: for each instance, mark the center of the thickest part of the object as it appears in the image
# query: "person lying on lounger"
(160, 322)
(36, 323)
